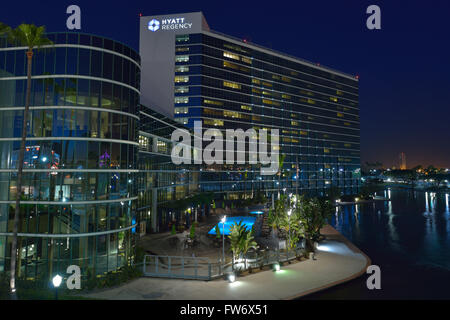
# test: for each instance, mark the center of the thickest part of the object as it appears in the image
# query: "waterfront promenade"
(337, 261)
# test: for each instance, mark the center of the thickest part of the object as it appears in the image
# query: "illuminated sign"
(153, 25)
(169, 24)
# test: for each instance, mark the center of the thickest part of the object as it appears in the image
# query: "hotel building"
(191, 73)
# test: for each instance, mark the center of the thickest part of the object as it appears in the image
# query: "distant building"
(402, 161)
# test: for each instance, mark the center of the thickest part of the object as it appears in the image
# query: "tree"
(313, 214)
(30, 36)
(241, 240)
(4, 29)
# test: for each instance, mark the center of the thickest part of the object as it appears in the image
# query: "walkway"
(337, 261)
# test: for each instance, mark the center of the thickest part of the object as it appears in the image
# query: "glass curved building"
(78, 192)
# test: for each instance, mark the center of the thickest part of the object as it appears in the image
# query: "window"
(294, 123)
(181, 69)
(246, 60)
(244, 107)
(233, 47)
(233, 114)
(232, 85)
(325, 150)
(256, 81)
(231, 55)
(143, 142)
(311, 101)
(182, 120)
(286, 96)
(216, 103)
(182, 49)
(182, 38)
(230, 65)
(213, 122)
(181, 89)
(181, 79)
(182, 110)
(181, 99)
(303, 133)
(340, 115)
(334, 99)
(183, 58)
(266, 84)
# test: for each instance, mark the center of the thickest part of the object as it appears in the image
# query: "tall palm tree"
(31, 37)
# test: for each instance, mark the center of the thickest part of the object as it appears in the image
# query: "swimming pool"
(247, 221)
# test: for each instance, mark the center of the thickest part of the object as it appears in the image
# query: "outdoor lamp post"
(56, 283)
(223, 240)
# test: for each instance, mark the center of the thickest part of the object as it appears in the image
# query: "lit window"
(181, 69)
(294, 123)
(340, 115)
(182, 120)
(244, 107)
(311, 101)
(246, 60)
(325, 150)
(181, 89)
(181, 100)
(182, 38)
(231, 114)
(286, 96)
(334, 99)
(143, 142)
(213, 122)
(286, 79)
(303, 133)
(183, 58)
(231, 55)
(266, 84)
(182, 49)
(230, 84)
(256, 81)
(230, 65)
(181, 79)
(182, 110)
(216, 103)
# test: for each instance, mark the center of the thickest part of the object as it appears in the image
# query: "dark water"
(408, 238)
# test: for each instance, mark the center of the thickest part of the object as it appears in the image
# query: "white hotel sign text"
(169, 24)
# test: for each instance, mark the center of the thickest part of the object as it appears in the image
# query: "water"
(408, 238)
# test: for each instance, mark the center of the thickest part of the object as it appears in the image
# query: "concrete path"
(337, 261)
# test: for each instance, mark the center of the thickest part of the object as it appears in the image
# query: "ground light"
(276, 267)
(56, 283)
(231, 278)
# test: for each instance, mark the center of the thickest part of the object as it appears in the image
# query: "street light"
(223, 240)
(56, 283)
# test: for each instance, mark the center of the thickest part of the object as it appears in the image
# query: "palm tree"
(4, 29)
(30, 36)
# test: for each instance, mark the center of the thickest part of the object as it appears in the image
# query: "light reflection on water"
(408, 237)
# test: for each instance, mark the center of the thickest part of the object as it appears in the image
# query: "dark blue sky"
(404, 68)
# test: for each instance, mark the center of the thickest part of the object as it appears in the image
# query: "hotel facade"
(191, 73)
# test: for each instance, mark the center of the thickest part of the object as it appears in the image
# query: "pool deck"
(337, 261)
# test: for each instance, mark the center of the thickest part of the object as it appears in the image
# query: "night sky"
(404, 68)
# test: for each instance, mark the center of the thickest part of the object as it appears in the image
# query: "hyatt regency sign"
(168, 24)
